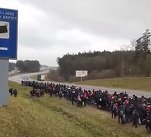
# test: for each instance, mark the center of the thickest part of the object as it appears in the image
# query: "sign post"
(81, 73)
(8, 49)
(4, 94)
(81, 79)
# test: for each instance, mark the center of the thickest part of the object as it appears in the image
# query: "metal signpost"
(8, 48)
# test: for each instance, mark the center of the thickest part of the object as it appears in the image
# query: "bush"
(54, 75)
(103, 74)
(95, 75)
(107, 74)
(75, 79)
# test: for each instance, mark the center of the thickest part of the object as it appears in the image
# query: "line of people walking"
(126, 109)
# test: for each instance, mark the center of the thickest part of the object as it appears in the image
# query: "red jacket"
(85, 95)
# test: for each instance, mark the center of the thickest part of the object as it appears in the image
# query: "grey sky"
(51, 28)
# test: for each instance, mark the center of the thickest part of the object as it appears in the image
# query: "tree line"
(108, 64)
(12, 66)
(25, 66)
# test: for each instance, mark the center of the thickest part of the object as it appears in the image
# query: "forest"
(106, 64)
(25, 66)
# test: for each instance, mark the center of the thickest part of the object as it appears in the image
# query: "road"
(18, 79)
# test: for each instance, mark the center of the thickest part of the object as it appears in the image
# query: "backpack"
(135, 114)
(123, 119)
(114, 108)
(121, 112)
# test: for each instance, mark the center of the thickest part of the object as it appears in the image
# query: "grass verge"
(51, 117)
(34, 77)
(138, 83)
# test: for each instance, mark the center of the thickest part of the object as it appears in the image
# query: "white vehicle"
(41, 77)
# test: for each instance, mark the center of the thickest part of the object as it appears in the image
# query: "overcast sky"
(51, 28)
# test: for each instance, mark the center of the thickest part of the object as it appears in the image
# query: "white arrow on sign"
(3, 48)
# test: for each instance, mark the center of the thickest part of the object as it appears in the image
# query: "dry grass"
(51, 117)
(34, 77)
(137, 83)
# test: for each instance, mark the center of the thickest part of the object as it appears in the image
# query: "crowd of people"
(127, 109)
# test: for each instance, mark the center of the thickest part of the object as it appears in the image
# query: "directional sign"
(8, 33)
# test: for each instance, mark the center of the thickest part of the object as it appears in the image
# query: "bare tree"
(133, 45)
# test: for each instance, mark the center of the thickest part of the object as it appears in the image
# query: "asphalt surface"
(20, 77)
(138, 93)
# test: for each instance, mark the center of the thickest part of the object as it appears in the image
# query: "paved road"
(18, 79)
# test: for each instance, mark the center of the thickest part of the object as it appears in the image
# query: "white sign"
(81, 73)
(4, 30)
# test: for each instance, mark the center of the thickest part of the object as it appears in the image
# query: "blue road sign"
(8, 33)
